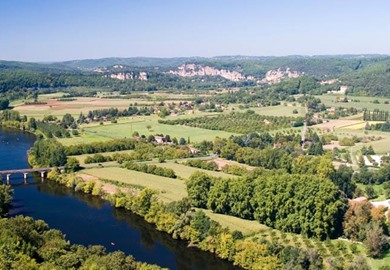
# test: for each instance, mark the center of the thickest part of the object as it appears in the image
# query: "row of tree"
(376, 115)
(237, 122)
(100, 147)
(151, 169)
(202, 164)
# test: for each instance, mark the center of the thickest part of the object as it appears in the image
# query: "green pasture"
(379, 191)
(280, 110)
(247, 227)
(381, 146)
(356, 102)
(169, 189)
(126, 129)
(185, 172)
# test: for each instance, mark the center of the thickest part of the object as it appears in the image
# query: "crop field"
(356, 102)
(169, 189)
(60, 108)
(184, 171)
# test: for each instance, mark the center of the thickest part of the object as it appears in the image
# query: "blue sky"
(56, 30)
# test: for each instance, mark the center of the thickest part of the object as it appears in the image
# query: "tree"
(35, 96)
(67, 120)
(198, 187)
(4, 103)
(386, 188)
(342, 178)
(47, 153)
(72, 164)
(376, 242)
(356, 219)
(370, 192)
(5, 198)
(32, 123)
(182, 141)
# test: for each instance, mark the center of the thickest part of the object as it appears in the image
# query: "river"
(89, 220)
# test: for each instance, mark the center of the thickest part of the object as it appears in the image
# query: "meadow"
(185, 172)
(279, 110)
(75, 107)
(145, 125)
(357, 102)
(169, 189)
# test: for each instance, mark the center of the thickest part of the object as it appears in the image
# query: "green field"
(169, 189)
(280, 110)
(126, 129)
(379, 191)
(381, 146)
(184, 171)
(364, 102)
(247, 227)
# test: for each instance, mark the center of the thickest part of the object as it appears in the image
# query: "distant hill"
(364, 74)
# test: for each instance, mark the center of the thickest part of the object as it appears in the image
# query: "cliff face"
(276, 76)
(192, 70)
(143, 76)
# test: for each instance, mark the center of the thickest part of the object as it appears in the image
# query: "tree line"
(150, 169)
(376, 115)
(288, 202)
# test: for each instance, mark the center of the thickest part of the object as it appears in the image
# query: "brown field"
(336, 124)
(82, 104)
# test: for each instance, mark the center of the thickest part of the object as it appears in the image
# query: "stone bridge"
(25, 172)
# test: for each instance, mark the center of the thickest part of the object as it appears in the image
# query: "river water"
(89, 220)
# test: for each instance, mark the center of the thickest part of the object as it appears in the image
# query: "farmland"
(169, 189)
(356, 102)
(126, 128)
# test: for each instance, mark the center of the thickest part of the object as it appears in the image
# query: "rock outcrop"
(276, 76)
(192, 70)
(143, 76)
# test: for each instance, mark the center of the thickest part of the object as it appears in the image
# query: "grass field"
(280, 110)
(378, 191)
(60, 108)
(247, 227)
(364, 102)
(140, 124)
(184, 171)
(169, 189)
(381, 146)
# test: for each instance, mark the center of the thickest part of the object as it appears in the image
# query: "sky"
(58, 30)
